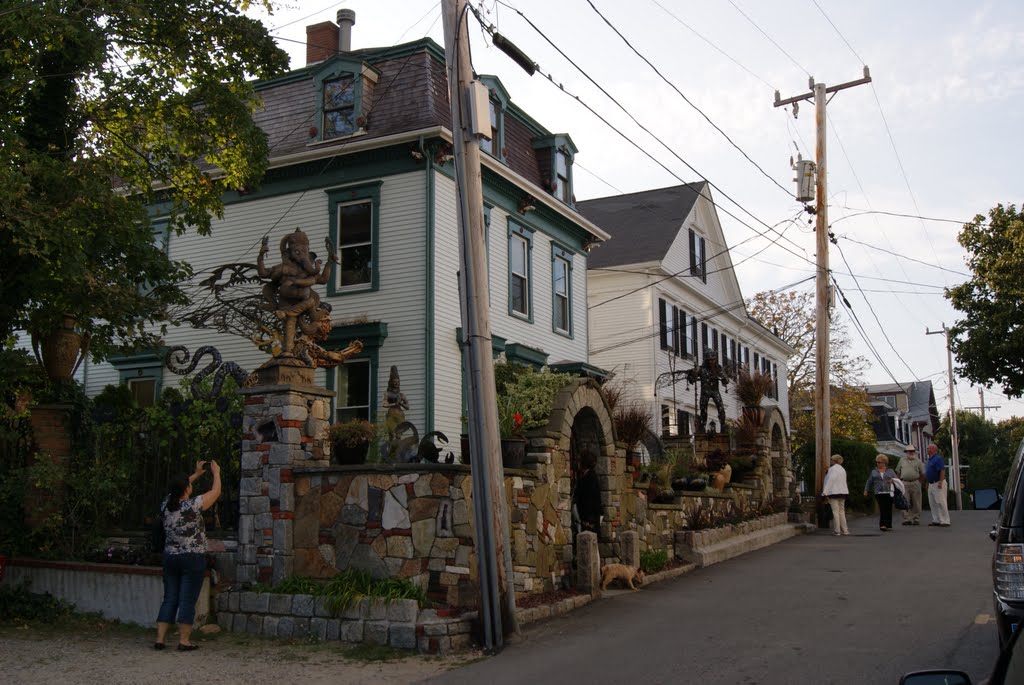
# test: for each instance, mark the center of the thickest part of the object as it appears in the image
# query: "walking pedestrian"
(836, 490)
(879, 484)
(935, 472)
(911, 471)
(184, 553)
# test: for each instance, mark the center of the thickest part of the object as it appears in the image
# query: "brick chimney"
(321, 41)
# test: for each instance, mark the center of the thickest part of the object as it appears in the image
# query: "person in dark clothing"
(587, 495)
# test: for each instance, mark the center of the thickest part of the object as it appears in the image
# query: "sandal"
(158, 645)
(187, 648)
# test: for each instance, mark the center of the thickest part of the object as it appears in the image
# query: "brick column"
(284, 426)
(51, 430)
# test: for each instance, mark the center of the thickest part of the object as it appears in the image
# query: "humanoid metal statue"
(709, 374)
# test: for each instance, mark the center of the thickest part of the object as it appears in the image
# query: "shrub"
(632, 421)
(751, 386)
(530, 393)
(653, 560)
(17, 603)
(858, 460)
(353, 433)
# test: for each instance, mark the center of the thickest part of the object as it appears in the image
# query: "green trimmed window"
(561, 290)
(343, 87)
(355, 381)
(498, 105)
(355, 228)
(520, 246)
(352, 385)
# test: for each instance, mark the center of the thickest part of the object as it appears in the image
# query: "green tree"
(989, 341)
(107, 109)
(792, 317)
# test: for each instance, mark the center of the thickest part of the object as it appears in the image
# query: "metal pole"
(497, 601)
(822, 404)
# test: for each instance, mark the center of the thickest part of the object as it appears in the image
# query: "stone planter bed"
(712, 545)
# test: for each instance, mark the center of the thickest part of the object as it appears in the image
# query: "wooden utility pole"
(954, 436)
(490, 517)
(822, 398)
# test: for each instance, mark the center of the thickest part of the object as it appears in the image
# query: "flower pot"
(513, 452)
(348, 456)
(61, 352)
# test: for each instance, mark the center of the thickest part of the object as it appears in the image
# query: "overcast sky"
(937, 133)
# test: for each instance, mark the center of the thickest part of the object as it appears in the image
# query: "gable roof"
(920, 399)
(642, 225)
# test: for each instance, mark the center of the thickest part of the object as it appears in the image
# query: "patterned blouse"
(184, 528)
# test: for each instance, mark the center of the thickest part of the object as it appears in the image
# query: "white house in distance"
(663, 290)
(361, 156)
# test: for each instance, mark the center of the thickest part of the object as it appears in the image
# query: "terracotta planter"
(513, 452)
(62, 351)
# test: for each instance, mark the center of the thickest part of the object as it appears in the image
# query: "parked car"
(1009, 668)
(1008, 558)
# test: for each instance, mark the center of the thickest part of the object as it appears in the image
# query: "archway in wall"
(778, 451)
(581, 421)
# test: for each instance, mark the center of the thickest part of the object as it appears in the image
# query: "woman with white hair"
(836, 490)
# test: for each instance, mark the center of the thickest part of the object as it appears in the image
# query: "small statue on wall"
(394, 400)
(709, 374)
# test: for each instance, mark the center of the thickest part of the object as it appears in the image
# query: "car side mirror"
(936, 678)
(992, 534)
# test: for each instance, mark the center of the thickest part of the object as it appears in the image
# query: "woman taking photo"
(880, 485)
(184, 553)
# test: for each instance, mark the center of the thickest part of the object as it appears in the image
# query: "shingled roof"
(642, 225)
(411, 93)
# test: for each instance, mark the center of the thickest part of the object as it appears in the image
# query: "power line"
(687, 100)
(899, 214)
(838, 32)
(770, 39)
(646, 130)
(903, 256)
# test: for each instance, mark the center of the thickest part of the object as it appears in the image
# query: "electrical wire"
(687, 100)
(770, 39)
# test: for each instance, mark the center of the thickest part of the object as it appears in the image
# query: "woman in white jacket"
(836, 490)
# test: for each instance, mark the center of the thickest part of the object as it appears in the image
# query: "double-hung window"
(339, 107)
(562, 187)
(354, 229)
(519, 273)
(561, 290)
(352, 385)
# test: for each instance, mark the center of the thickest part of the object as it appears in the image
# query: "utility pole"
(822, 396)
(954, 437)
(981, 405)
(490, 516)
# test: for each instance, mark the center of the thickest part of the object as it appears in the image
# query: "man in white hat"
(910, 470)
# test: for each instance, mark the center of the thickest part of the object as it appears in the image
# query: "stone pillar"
(629, 548)
(284, 426)
(588, 563)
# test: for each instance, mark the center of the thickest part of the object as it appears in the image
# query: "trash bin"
(987, 499)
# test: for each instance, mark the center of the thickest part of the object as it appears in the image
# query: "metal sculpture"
(709, 374)
(178, 362)
(276, 307)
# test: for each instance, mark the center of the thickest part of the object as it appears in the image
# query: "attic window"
(493, 147)
(555, 155)
(339, 107)
(344, 89)
(563, 191)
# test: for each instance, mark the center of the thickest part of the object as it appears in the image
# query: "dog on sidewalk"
(626, 574)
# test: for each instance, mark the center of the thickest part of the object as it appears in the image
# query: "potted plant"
(631, 424)
(350, 440)
(510, 425)
(751, 387)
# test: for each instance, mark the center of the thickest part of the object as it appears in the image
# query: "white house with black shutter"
(660, 292)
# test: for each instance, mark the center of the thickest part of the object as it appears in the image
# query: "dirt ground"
(101, 653)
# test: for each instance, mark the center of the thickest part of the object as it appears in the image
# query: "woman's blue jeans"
(183, 578)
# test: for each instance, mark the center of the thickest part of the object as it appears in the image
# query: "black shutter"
(693, 338)
(704, 343)
(681, 346)
(694, 266)
(703, 261)
(662, 324)
(675, 331)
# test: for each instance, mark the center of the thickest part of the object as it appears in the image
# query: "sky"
(935, 134)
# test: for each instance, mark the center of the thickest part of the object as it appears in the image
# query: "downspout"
(428, 337)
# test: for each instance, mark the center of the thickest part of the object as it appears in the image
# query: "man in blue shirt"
(935, 473)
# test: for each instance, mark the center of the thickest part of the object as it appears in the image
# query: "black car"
(1008, 560)
(1009, 670)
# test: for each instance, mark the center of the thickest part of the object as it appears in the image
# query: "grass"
(348, 587)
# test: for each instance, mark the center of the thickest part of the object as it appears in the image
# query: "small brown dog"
(627, 574)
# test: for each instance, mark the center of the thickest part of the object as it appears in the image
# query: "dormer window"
(339, 107)
(554, 157)
(344, 89)
(498, 101)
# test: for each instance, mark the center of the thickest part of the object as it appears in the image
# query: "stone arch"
(778, 453)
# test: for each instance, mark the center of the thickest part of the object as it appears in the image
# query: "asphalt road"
(813, 609)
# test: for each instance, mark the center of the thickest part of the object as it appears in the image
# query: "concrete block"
(301, 629)
(403, 610)
(375, 632)
(333, 629)
(318, 628)
(254, 602)
(254, 624)
(302, 605)
(280, 604)
(402, 635)
(270, 625)
(352, 631)
(286, 627)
